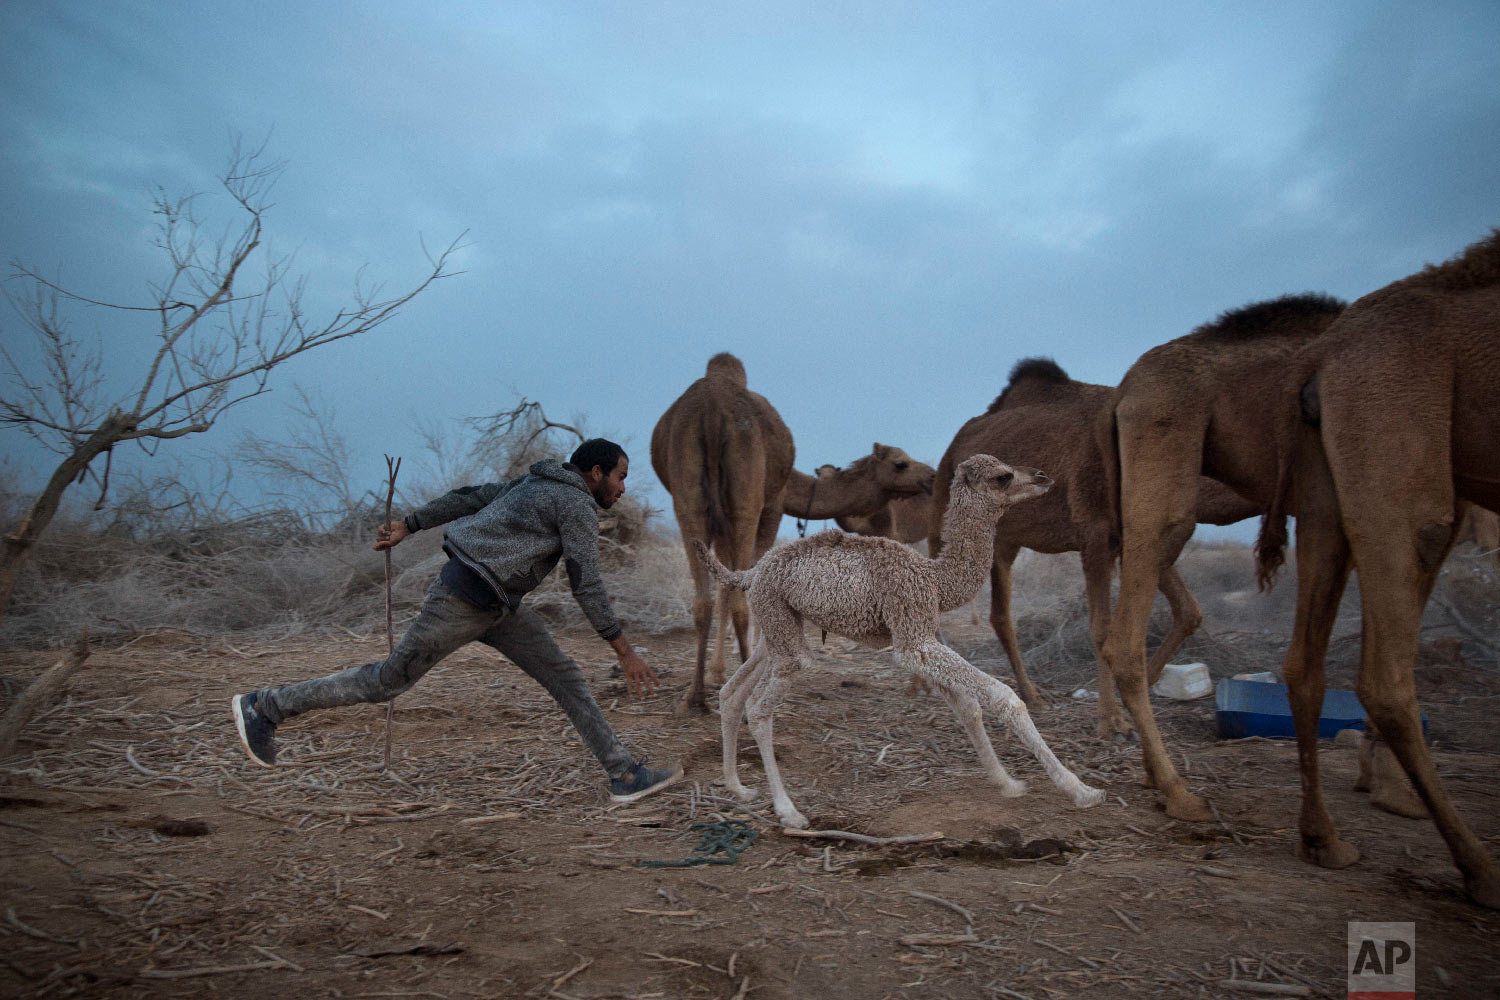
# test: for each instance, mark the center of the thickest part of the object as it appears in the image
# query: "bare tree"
(311, 468)
(511, 440)
(216, 344)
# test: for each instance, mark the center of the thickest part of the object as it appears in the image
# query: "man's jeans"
(446, 623)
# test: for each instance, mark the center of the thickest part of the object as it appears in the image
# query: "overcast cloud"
(879, 207)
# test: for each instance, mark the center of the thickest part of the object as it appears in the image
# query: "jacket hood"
(551, 468)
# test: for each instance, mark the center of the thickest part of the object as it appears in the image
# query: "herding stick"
(391, 469)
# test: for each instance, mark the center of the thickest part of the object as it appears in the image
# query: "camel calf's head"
(985, 476)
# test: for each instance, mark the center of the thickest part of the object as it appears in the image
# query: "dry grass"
(264, 577)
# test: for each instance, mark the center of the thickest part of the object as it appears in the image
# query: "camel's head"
(899, 474)
(987, 476)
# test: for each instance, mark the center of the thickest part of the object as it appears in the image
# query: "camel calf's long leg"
(762, 708)
(732, 699)
(971, 717)
(947, 669)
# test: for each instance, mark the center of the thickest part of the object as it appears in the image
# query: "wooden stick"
(966, 914)
(938, 939)
(391, 468)
(1265, 989)
(39, 692)
(211, 970)
(916, 838)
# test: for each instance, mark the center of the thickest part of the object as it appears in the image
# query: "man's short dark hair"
(597, 451)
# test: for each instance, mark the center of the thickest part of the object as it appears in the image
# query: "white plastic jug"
(1183, 681)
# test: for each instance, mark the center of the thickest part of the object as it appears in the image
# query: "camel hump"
(1476, 267)
(1038, 371)
(1273, 316)
(726, 366)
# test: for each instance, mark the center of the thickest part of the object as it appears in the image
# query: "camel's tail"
(731, 578)
(715, 486)
(1270, 543)
(1107, 441)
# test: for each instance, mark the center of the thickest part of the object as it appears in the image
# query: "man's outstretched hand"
(639, 678)
(390, 535)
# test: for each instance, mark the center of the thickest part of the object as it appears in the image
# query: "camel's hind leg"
(767, 695)
(733, 697)
(945, 668)
(1322, 573)
(756, 689)
(1187, 615)
(1098, 566)
(971, 717)
(694, 527)
(1399, 511)
(1159, 466)
(1004, 626)
(724, 599)
(1392, 621)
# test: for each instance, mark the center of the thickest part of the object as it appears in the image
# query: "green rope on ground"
(720, 844)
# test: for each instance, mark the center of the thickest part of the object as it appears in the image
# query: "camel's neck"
(968, 551)
(838, 495)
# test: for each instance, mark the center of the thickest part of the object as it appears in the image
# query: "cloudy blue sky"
(878, 206)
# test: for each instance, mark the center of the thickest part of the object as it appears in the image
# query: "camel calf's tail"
(733, 579)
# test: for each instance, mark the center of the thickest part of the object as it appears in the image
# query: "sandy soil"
(147, 857)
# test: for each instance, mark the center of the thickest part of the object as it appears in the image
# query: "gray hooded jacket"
(512, 534)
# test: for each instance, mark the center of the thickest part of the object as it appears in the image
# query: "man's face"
(608, 489)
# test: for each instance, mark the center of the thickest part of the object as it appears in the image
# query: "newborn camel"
(879, 592)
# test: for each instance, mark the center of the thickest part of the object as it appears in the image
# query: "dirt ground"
(147, 857)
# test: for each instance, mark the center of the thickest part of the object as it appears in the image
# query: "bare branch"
(511, 440)
(215, 347)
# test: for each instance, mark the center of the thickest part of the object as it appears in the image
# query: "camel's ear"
(879, 451)
(966, 475)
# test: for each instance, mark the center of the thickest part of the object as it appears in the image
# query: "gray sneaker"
(257, 733)
(643, 782)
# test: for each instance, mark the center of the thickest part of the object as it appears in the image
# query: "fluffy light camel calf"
(879, 592)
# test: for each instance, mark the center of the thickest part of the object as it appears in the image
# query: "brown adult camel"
(1200, 405)
(869, 484)
(1402, 398)
(724, 455)
(905, 519)
(1046, 419)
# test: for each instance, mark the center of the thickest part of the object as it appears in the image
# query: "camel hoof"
(1012, 789)
(1187, 806)
(1089, 797)
(745, 793)
(1116, 728)
(793, 819)
(1033, 698)
(691, 706)
(1389, 788)
(1400, 801)
(1484, 890)
(1334, 854)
